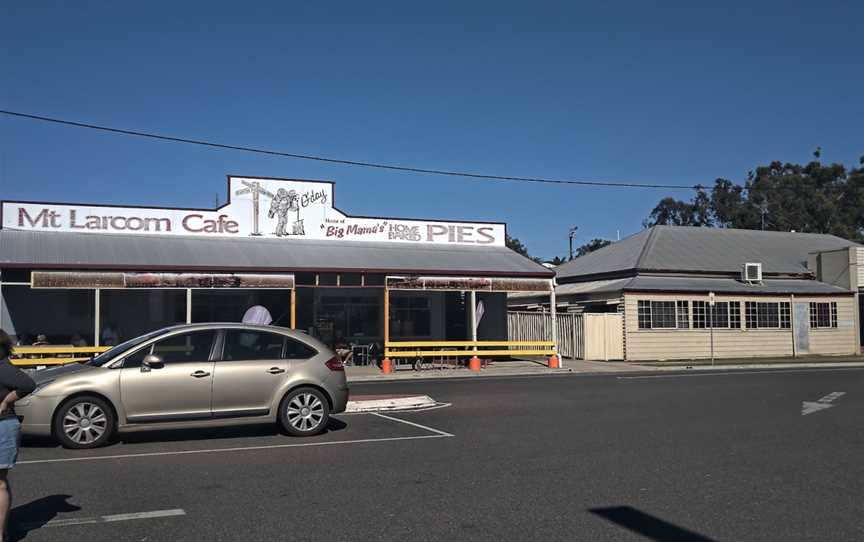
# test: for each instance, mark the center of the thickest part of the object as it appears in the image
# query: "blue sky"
(648, 92)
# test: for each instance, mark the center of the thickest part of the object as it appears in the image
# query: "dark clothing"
(13, 379)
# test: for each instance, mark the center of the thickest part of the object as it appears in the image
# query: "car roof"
(229, 325)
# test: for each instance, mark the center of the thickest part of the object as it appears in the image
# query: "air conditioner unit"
(752, 272)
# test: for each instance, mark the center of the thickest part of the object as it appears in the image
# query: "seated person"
(344, 352)
(41, 340)
(77, 340)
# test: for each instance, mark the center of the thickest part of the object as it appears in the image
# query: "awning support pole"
(386, 317)
(473, 316)
(554, 314)
(188, 305)
(293, 309)
(97, 315)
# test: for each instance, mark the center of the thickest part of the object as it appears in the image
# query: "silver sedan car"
(187, 376)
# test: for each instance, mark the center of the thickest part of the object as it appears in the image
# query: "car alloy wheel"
(85, 423)
(305, 412)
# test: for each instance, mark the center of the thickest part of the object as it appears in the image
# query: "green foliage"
(813, 198)
(516, 245)
(591, 246)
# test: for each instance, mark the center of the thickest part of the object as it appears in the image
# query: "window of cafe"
(348, 315)
(129, 313)
(65, 317)
(231, 304)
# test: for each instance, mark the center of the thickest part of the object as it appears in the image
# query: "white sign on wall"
(256, 207)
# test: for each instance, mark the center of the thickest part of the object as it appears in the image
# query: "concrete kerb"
(436, 375)
(631, 369)
(751, 366)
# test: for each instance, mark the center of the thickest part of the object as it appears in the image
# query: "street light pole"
(571, 235)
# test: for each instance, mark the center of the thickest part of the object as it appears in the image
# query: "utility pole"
(763, 207)
(571, 235)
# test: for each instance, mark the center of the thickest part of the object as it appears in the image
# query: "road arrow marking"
(809, 407)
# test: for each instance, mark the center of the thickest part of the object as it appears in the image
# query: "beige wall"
(729, 343)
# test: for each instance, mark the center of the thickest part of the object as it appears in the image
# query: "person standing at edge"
(14, 384)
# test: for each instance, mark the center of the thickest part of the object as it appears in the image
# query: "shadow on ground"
(186, 434)
(35, 514)
(651, 527)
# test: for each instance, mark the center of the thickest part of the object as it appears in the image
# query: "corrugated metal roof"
(683, 249)
(146, 252)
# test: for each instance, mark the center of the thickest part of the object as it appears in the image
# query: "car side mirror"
(152, 361)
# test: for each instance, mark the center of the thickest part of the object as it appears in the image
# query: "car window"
(185, 347)
(299, 350)
(252, 345)
(135, 358)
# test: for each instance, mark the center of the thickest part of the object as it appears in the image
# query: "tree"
(516, 245)
(673, 212)
(815, 197)
(591, 246)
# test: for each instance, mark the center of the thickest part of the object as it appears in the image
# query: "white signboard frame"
(256, 207)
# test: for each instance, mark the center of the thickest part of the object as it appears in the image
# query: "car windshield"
(109, 355)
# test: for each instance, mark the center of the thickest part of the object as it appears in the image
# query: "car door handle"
(275, 370)
(200, 374)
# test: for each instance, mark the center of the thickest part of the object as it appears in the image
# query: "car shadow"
(185, 434)
(35, 514)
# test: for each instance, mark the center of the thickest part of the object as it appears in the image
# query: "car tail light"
(334, 364)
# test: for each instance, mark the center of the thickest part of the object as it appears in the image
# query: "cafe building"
(93, 274)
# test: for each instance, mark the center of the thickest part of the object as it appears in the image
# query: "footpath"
(531, 367)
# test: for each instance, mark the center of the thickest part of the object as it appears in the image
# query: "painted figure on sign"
(284, 202)
(256, 190)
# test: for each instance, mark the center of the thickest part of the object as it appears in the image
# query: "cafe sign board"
(257, 207)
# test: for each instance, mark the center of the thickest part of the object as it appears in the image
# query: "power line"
(341, 161)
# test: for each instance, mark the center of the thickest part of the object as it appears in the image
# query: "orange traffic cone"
(386, 366)
(474, 364)
(554, 362)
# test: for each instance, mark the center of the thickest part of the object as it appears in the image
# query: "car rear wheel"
(84, 422)
(304, 412)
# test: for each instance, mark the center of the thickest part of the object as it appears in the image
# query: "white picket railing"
(536, 326)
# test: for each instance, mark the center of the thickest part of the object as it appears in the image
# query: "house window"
(735, 314)
(726, 314)
(823, 315)
(774, 315)
(683, 309)
(663, 314)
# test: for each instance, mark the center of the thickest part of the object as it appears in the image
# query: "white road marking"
(809, 407)
(107, 519)
(427, 428)
(742, 372)
(437, 434)
(238, 449)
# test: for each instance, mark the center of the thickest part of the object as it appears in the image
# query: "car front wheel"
(304, 412)
(84, 422)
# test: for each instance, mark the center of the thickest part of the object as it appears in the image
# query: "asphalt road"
(695, 457)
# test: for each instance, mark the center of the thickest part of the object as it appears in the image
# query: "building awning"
(48, 250)
(731, 286)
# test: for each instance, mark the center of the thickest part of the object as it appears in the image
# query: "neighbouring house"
(691, 293)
